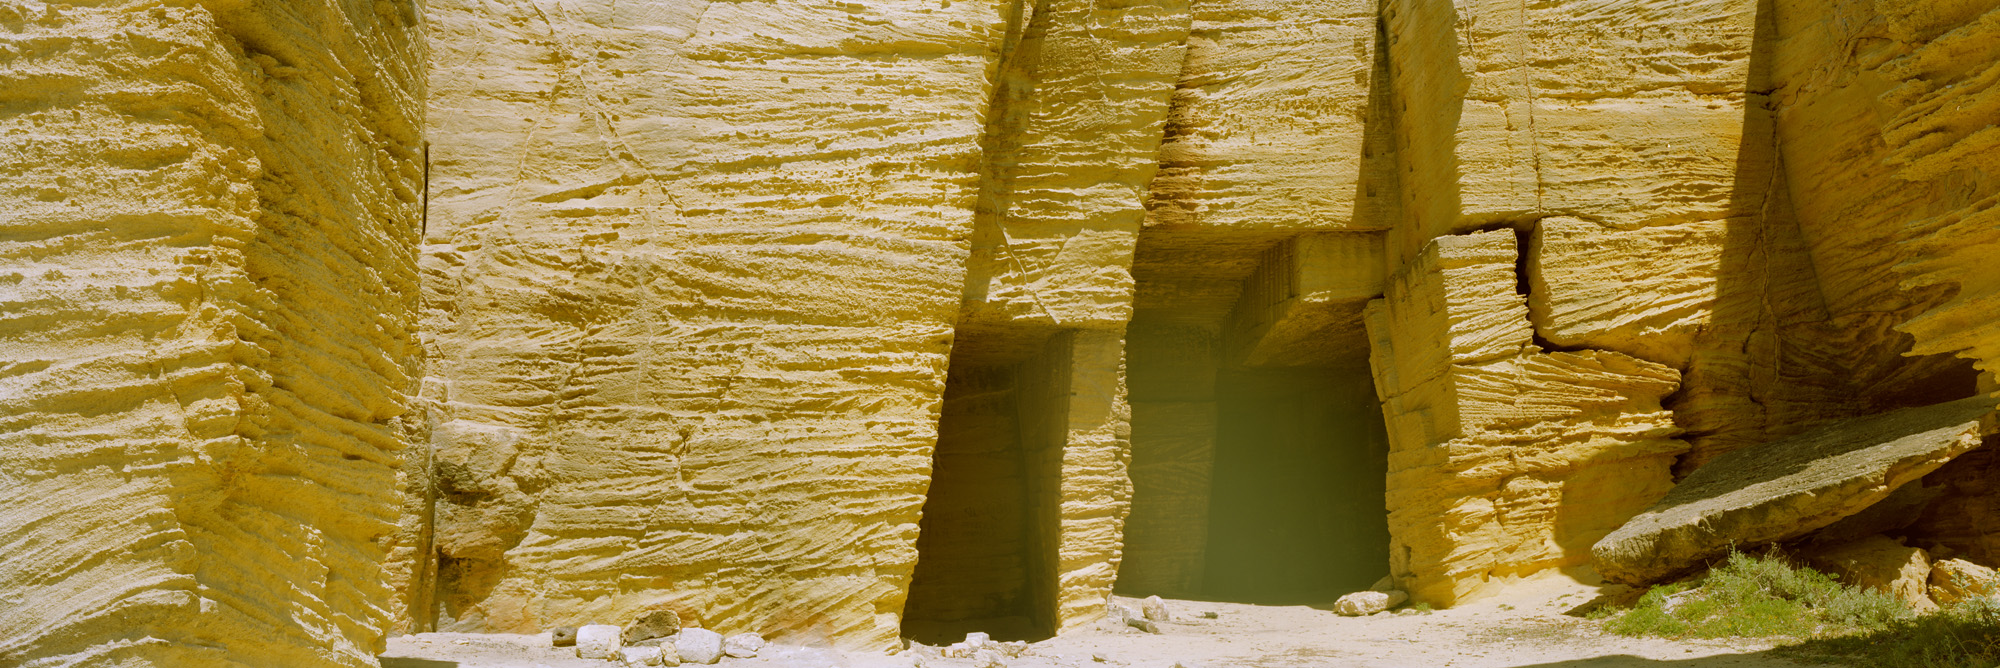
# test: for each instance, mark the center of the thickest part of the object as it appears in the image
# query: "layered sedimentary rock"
(1528, 457)
(207, 343)
(1070, 145)
(691, 273)
(1790, 487)
(1885, 114)
(842, 321)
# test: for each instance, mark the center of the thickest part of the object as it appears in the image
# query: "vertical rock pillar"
(207, 345)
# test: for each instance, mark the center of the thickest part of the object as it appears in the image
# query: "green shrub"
(1757, 597)
(1966, 635)
(1769, 597)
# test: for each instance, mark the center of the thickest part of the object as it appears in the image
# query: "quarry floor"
(1526, 629)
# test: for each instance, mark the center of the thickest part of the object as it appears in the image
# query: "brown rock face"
(1956, 580)
(1788, 488)
(1882, 564)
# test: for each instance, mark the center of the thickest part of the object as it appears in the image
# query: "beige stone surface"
(815, 318)
(697, 265)
(1788, 488)
(1505, 460)
(1071, 144)
(1274, 130)
(207, 342)
(1302, 306)
(1957, 580)
(1626, 114)
(1882, 564)
(1644, 292)
(1947, 91)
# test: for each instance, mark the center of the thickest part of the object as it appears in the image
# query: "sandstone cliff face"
(1504, 460)
(843, 321)
(1885, 114)
(207, 227)
(690, 280)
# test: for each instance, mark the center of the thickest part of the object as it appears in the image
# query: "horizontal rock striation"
(208, 351)
(1504, 460)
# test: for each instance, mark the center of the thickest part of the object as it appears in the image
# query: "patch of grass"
(1966, 635)
(1756, 597)
(1769, 597)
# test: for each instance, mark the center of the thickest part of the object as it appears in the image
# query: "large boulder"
(598, 641)
(1880, 563)
(1955, 580)
(1787, 488)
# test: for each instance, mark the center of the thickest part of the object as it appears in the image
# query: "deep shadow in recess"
(985, 551)
(1296, 512)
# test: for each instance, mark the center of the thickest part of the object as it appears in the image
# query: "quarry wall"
(209, 329)
(843, 322)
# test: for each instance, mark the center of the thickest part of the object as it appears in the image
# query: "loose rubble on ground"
(1529, 629)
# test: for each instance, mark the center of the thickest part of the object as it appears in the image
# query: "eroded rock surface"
(1788, 488)
(1956, 580)
(1882, 564)
(208, 351)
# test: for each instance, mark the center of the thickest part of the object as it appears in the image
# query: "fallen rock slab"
(655, 624)
(699, 646)
(743, 645)
(1787, 488)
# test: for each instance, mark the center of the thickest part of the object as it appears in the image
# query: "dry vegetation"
(1769, 596)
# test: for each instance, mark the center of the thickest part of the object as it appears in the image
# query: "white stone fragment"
(597, 641)
(641, 656)
(1363, 603)
(743, 645)
(1156, 609)
(699, 646)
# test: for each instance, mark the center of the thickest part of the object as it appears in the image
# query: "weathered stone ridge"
(207, 274)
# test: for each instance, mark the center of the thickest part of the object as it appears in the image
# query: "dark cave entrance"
(1259, 450)
(1296, 510)
(986, 542)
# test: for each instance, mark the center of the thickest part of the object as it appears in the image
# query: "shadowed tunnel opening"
(1296, 504)
(1259, 450)
(986, 542)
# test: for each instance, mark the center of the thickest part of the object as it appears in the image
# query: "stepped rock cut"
(1504, 460)
(1787, 488)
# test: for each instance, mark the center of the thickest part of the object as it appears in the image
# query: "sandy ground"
(1528, 630)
